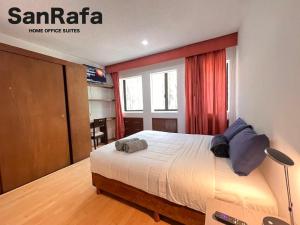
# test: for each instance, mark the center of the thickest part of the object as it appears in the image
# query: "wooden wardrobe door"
(78, 111)
(33, 134)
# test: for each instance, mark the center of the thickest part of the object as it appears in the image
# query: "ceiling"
(166, 24)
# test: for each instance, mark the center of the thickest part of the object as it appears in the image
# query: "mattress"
(182, 169)
(251, 192)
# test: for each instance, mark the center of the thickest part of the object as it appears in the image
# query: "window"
(131, 91)
(227, 85)
(164, 91)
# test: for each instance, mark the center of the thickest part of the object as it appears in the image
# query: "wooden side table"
(251, 217)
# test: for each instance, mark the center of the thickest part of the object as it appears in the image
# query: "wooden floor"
(68, 197)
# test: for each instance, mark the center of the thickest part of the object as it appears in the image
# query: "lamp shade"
(279, 157)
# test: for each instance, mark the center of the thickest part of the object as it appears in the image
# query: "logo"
(56, 15)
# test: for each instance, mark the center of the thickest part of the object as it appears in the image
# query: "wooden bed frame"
(154, 203)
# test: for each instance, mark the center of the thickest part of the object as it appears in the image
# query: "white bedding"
(250, 191)
(181, 169)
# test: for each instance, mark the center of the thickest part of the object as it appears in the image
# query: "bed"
(175, 177)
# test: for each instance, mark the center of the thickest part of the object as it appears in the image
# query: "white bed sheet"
(181, 169)
(250, 191)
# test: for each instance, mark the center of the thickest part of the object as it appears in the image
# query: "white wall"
(147, 115)
(231, 56)
(269, 86)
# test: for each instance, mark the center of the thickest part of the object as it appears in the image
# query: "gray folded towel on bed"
(120, 144)
(134, 146)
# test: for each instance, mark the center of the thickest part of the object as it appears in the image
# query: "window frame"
(125, 97)
(166, 96)
(228, 84)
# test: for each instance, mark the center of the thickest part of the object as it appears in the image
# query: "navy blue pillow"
(247, 151)
(235, 128)
(220, 146)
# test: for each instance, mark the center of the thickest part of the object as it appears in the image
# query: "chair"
(99, 131)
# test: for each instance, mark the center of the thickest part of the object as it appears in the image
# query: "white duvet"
(179, 168)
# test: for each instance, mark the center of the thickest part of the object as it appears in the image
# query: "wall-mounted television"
(95, 75)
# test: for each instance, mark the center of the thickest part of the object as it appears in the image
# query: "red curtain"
(120, 128)
(205, 91)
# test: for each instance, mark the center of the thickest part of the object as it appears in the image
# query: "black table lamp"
(286, 161)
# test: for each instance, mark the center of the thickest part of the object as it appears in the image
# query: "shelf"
(101, 85)
(107, 119)
(103, 100)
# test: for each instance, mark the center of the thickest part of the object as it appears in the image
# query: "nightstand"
(251, 217)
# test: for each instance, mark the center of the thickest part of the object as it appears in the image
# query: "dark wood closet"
(44, 124)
